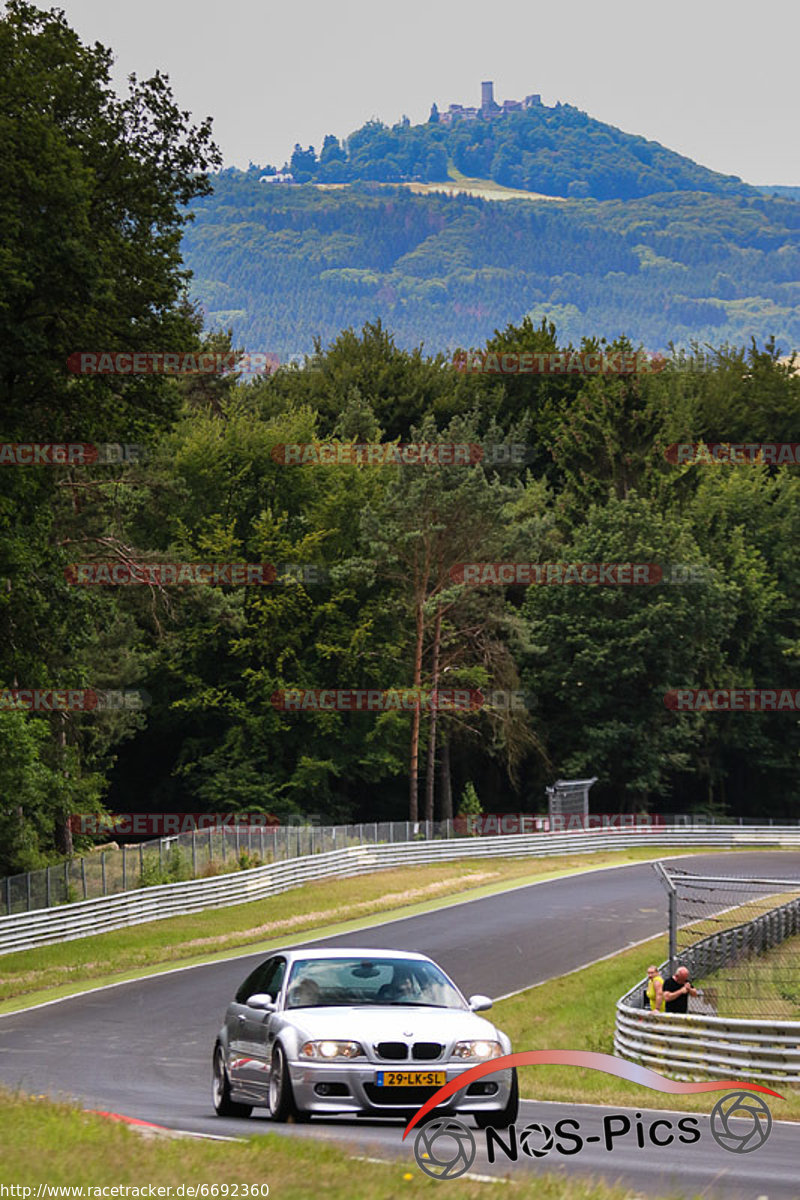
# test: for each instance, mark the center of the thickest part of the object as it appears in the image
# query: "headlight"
(480, 1050)
(329, 1050)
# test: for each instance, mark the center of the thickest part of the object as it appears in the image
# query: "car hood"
(391, 1023)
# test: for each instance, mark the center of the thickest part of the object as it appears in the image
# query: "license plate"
(410, 1078)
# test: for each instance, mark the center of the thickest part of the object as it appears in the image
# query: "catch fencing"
(23, 930)
(203, 852)
(701, 1043)
(197, 853)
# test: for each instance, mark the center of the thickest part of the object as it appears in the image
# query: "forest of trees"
(282, 265)
(97, 198)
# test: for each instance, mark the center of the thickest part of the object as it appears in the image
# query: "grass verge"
(576, 1012)
(332, 905)
(42, 1142)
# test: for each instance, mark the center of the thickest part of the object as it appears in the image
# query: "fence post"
(83, 876)
(261, 840)
(194, 856)
(28, 882)
(210, 848)
(124, 869)
(141, 859)
(8, 895)
(46, 886)
(103, 869)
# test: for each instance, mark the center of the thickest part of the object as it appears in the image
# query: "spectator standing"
(677, 990)
(655, 989)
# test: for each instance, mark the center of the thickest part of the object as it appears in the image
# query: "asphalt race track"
(144, 1048)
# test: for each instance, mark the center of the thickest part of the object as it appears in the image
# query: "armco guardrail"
(24, 930)
(694, 1046)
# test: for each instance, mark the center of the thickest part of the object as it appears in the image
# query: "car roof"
(355, 952)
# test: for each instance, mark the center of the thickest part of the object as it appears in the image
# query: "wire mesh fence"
(740, 939)
(213, 851)
(197, 854)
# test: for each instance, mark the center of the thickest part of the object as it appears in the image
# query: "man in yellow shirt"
(655, 989)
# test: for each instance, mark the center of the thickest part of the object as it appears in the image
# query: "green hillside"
(282, 264)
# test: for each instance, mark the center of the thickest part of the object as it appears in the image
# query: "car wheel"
(282, 1105)
(221, 1090)
(506, 1116)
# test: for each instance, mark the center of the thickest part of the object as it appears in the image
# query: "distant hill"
(788, 193)
(557, 151)
(282, 264)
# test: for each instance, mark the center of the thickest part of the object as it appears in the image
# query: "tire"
(221, 1090)
(282, 1105)
(506, 1116)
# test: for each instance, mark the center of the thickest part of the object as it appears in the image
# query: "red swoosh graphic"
(582, 1058)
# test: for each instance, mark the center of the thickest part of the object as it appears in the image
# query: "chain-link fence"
(205, 852)
(197, 854)
(740, 939)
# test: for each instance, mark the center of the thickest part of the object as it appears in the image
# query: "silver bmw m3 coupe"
(366, 1032)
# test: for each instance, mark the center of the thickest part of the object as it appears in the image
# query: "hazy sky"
(713, 79)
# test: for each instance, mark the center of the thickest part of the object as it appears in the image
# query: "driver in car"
(304, 994)
(401, 987)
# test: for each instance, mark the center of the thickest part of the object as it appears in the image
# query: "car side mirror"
(479, 1003)
(261, 1000)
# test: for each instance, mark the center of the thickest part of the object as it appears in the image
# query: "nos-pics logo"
(445, 1148)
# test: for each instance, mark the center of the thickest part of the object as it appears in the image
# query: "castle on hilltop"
(489, 107)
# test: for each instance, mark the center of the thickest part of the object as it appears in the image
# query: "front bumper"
(352, 1087)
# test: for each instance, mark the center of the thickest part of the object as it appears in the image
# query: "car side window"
(275, 982)
(267, 977)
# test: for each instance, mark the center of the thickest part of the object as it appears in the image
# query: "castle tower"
(487, 96)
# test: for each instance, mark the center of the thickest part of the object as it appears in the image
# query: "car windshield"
(324, 982)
